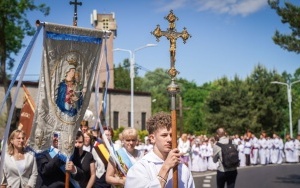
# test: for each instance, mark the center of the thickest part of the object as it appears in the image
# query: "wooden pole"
(174, 140)
(171, 34)
(180, 116)
(67, 180)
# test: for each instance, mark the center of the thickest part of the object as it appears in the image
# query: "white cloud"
(231, 7)
(172, 4)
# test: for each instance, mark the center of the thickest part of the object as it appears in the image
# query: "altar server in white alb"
(263, 149)
(289, 149)
(156, 168)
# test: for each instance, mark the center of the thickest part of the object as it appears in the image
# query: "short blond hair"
(129, 132)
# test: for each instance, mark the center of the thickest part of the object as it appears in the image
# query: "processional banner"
(27, 113)
(69, 63)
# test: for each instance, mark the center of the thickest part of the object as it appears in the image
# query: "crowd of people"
(136, 165)
(90, 167)
(263, 150)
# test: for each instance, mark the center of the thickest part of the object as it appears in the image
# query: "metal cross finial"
(172, 35)
(75, 3)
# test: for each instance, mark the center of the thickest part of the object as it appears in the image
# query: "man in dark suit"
(52, 167)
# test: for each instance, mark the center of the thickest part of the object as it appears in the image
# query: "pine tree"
(290, 14)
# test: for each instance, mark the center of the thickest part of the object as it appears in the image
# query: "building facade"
(117, 105)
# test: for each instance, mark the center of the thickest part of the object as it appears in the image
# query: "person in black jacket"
(86, 162)
(52, 167)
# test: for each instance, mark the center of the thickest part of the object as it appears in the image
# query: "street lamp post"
(132, 64)
(289, 94)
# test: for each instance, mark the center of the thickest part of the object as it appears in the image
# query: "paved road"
(271, 176)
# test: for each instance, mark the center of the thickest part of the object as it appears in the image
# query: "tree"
(267, 102)
(290, 15)
(122, 75)
(227, 106)
(14, 26)
(156, 83)
(192, 107)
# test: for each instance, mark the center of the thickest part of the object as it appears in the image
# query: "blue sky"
(229, 37)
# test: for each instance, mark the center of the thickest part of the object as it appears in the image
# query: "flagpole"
(75, 3)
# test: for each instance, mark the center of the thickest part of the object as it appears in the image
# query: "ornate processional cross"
(75, 3)
(172, 35)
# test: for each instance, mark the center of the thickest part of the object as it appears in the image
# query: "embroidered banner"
(70, 60)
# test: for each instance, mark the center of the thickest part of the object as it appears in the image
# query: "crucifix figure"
(75, 3)
(172, 35)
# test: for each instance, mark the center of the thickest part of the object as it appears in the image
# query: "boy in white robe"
(263, 148)
(297, 149)
(289, 149)
(156, 168)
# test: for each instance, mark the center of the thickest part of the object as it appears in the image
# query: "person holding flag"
(127, 156)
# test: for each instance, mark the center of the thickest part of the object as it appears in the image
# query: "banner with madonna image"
(70, 59)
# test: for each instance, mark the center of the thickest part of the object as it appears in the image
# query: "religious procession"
(252, 150)
(60, 131)
(55, 143)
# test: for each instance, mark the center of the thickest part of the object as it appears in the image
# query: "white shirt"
(100, 167)
(144, 174)
(184, 147)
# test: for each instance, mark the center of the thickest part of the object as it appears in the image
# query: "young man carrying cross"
(155, 168)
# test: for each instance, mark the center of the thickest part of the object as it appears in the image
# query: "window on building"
(143, 120)
(129, 119)
(116, 120)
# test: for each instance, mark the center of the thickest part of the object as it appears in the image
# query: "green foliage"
(14, 26)
(237, 105)
(143, 134)
(254, 104)
(156, 83)
(266, 101)
(289, 15)
(122, 75)
(117, 132)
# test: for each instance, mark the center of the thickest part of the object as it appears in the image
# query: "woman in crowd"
(85, 161)
(20, 169)
(88, 142)
(203, 154)
(128, 155)
(184, 147)
(101, 162)
(196, 158)
(211, 165)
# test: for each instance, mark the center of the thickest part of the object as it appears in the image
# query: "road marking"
(206, 181)
(206, 174)
(208, 177)
(206, 185)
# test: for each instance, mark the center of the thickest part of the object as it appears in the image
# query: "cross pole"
(172, 35)
(75, 3)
